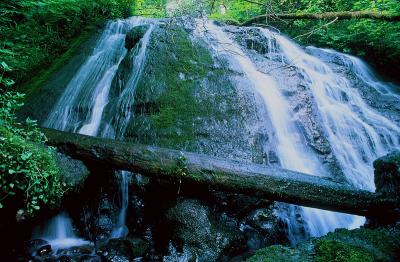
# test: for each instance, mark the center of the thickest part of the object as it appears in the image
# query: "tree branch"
(328, 15)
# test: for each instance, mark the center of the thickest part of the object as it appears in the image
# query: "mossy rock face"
(341, 245)
(134, 35)
(279, 254)
(332, 250)
(73, 172)
(387, 174)
(185, 99)
(195, 228)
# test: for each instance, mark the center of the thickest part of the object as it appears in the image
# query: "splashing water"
(59, 232)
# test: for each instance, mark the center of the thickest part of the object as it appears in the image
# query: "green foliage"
(29, 177)
(33, 33)
(151, 8)
(235, 10)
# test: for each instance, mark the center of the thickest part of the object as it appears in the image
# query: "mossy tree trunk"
(192, 169)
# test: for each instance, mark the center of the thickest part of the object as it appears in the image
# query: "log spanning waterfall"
(80, 109)
(357, 133)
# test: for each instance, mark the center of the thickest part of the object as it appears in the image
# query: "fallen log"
(328, 15)
(226, 175)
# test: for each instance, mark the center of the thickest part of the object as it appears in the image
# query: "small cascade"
(116, 127)
(81, 106)
(58, 231)
(360, 69)
(120, 229)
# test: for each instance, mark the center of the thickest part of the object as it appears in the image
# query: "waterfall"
(356, 132)
(293, 152)
(58, 231)
(81, 107)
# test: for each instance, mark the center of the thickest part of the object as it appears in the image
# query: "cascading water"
(82, 103)
(120, 230)
(291, 147)
(58, 231)
(357, 133)
(81, 107)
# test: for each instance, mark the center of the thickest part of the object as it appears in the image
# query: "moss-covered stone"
(279, 254)
(341, 245)
(134, 35)
(387, 174)
(185, 100)
(332, 250)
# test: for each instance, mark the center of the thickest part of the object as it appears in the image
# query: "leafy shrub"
(29, 176)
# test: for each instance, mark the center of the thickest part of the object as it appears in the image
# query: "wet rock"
(194, 228)
(268, 224)
(134, 36)
(116, 258)
(99, 218)
(44, 250)
(73, 172)
(79, 258)
(88, 249)
(65, 258)
(119, 249)
(37, 247)
(238, 205)
(136, 211)
(387, 174)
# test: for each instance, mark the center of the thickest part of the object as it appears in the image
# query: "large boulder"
(125, 249)
(195, 229)
(73, 172)
(134, 36)
(387, 174)
(36, 247)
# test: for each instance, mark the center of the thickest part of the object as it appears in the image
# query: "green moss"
(32, 86)
(341, 245)
(331, 250)
(278, 254)
(174, 71)
(177, 105)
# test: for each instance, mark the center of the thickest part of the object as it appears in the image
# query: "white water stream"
(355, 142)
(81, 107)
